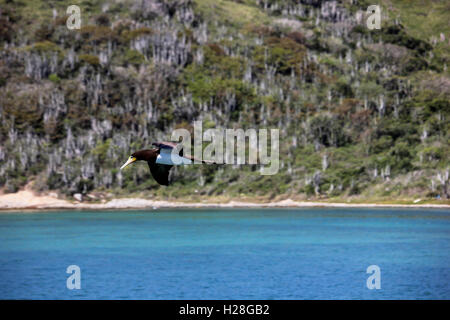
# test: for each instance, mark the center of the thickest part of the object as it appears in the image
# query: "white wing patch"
(166, 157)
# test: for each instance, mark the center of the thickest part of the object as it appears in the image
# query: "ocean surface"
(226, 254)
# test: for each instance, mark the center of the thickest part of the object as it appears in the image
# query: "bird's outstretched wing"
(165, 144)
(171, 145)
(160, 173)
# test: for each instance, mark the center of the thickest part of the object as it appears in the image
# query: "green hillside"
(363, 114)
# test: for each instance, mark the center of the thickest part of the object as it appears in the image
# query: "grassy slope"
(423, 19)
(234, 13)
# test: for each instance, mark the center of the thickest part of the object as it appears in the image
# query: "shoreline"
(27, 200)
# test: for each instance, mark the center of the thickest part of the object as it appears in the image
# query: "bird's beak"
(129, 161)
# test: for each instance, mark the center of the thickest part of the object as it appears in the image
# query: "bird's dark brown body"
(160, 172)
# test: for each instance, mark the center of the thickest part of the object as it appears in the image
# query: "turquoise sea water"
(226, 254)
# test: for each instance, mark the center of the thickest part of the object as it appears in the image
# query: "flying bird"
(160, 160)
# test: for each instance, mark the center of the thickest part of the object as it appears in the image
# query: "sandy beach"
(26, 199)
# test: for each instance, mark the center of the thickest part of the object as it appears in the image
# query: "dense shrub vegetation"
(362, 113)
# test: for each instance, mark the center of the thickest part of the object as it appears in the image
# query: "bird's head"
(145, 155)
